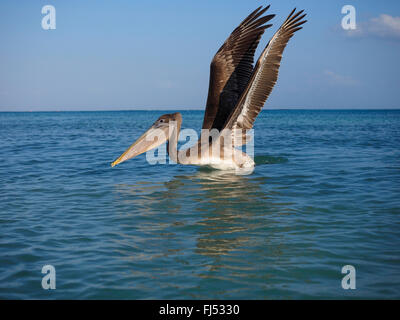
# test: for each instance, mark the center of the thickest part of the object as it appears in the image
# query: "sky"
(118, 55)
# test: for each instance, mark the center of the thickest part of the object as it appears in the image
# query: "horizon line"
(191, 109)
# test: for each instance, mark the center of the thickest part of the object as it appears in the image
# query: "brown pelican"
(237, 92)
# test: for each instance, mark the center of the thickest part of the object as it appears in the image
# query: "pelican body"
(237, 92)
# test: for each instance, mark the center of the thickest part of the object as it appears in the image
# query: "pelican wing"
(232, 67)
(264, 77)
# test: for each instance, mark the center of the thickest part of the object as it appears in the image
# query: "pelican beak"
(152, 138)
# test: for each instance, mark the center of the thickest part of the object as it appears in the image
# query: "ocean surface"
(325, 193)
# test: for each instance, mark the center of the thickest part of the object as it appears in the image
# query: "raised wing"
(232, 67)
(264, 77)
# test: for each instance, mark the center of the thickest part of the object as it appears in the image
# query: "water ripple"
(325, 193)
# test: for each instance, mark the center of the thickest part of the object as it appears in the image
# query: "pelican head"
(160, 132)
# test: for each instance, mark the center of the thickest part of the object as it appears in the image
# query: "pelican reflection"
(216, 209)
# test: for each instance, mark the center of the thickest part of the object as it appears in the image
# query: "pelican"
(237, 92)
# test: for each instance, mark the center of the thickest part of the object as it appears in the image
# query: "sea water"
(325, 193)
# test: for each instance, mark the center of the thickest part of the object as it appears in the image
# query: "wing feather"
(232, 67)
(263, 78)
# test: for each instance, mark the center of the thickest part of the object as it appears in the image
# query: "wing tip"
(294, 20)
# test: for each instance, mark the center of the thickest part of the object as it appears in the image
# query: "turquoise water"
(325, 193)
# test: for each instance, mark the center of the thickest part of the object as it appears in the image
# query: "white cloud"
(383, 26)
(338, 79)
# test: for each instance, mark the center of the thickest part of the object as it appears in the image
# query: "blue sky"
(114, 55)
